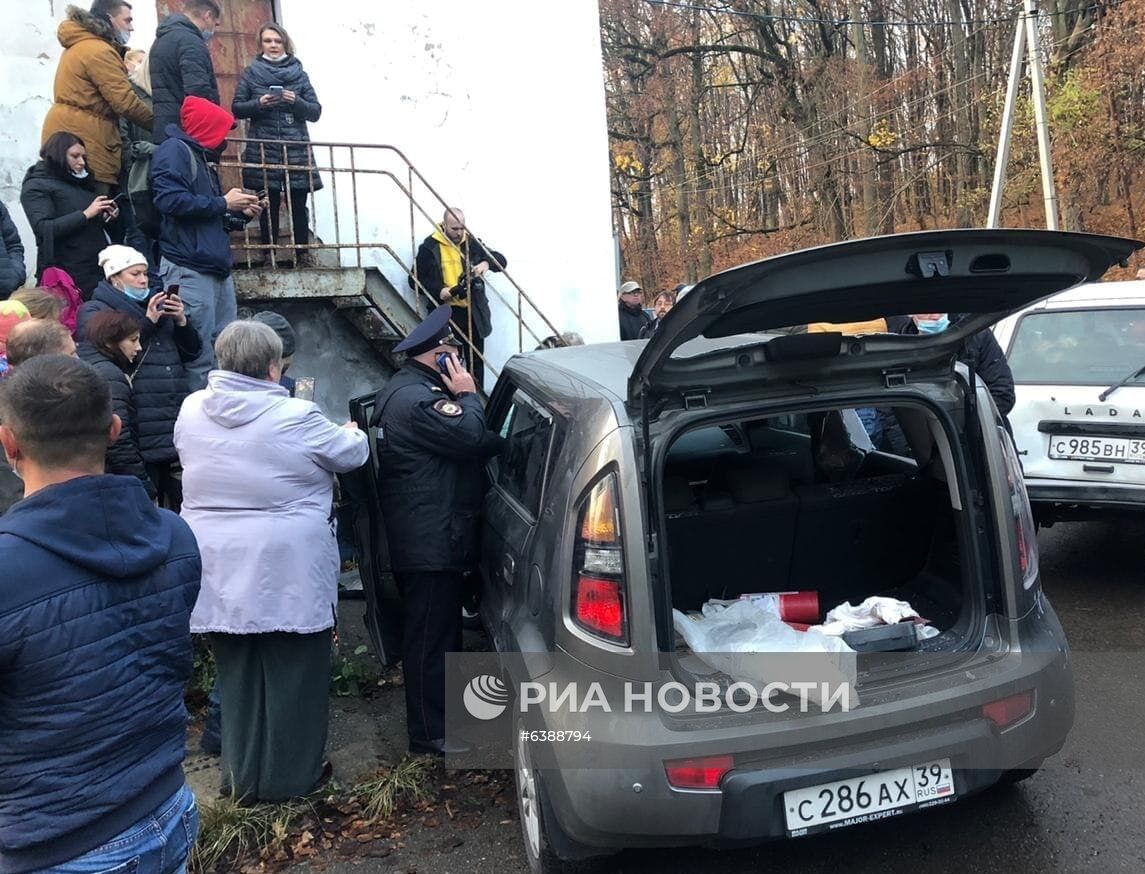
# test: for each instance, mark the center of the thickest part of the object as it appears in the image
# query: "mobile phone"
(172, 291)
(261, 194)
(276, 90)
(304, 388)
(442, 360)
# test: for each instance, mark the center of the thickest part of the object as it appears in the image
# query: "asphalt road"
(1083, 812)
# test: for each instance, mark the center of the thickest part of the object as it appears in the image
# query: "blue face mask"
(933, 326)
(138, 294)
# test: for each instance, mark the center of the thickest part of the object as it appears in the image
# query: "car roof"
(609, 365)
(1096, 294)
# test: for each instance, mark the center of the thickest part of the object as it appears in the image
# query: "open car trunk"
(848, 503)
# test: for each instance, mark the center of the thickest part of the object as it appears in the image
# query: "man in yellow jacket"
(451, 266)
(92, 91)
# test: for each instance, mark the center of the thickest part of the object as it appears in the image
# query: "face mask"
(933, 326)
(208, 35)
(123, 36)
(82, 174)
(267, 57)
(137, 294)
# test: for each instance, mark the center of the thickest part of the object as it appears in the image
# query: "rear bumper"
(634, 806)
(1063, 494)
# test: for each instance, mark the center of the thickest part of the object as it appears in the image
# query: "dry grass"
(410, 779)
(229, 829)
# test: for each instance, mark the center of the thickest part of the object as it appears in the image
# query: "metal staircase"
(363, 187)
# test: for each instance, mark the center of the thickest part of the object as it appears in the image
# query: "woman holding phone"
(275, 94)
(72, 223)
(158, 378)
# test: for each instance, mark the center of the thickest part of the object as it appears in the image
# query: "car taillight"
(1024, 530)
(1007, 711)
(599, 597)
(705, 773)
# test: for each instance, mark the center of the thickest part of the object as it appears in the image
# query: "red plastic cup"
(801, 607)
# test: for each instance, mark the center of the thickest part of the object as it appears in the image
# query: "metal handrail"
(422, 290)
(354, 170)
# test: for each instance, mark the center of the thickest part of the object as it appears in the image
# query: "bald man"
(38, 337)
(451, 265)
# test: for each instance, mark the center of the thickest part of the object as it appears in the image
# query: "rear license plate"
(867, 799)
(1123, 449)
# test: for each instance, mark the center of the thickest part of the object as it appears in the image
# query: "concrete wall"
(330, 350)
(504, 116)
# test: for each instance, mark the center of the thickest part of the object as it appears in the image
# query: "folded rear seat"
(862, 537)
(735, 537)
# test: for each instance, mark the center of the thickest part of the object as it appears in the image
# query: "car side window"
(521, 466)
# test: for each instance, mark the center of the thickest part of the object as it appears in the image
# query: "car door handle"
(508, 566)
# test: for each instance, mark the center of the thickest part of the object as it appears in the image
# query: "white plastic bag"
(747, 640)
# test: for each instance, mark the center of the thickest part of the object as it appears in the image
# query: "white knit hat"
(115, 258)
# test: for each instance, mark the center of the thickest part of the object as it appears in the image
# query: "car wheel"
(538, 826)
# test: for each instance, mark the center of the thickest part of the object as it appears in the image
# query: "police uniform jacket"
(430, 448)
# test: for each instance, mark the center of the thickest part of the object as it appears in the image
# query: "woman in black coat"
(111, 346)
(12, 271)
(70, 221)
(275, 93)
(159, 380)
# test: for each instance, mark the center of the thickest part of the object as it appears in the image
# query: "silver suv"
(730, 454)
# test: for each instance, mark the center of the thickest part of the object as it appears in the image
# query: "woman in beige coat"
(91, 93)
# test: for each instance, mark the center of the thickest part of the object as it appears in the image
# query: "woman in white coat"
(258, 483)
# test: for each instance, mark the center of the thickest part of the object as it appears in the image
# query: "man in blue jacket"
(96, 591)
(195, 216)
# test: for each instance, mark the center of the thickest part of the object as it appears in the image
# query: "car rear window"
(1079, 347)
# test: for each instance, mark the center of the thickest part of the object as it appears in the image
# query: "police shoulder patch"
(448, 408)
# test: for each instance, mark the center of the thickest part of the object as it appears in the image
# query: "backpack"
(60, 283)
(147, 217)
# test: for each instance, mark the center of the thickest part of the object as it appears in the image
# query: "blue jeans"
(157, 844)
(210, 305)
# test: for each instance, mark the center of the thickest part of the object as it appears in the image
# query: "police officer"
(431, 441)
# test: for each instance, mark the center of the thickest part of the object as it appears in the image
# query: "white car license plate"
(867, 799)
(1124, 449)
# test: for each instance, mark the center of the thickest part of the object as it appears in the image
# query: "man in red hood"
(195, 217)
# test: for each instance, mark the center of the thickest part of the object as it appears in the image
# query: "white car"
(1079, 421)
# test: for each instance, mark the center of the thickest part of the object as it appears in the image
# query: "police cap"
(433, 331)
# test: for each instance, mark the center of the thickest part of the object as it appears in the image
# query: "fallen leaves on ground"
(335, 826)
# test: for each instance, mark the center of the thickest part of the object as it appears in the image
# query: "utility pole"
(1026, 38)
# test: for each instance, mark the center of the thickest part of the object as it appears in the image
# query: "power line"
(844, 22)
(803, 139)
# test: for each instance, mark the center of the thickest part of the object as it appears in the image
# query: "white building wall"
(503, 115)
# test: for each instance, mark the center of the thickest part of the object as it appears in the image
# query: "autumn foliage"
(745, 128)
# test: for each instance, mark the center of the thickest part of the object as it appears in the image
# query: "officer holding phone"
(432, 439)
